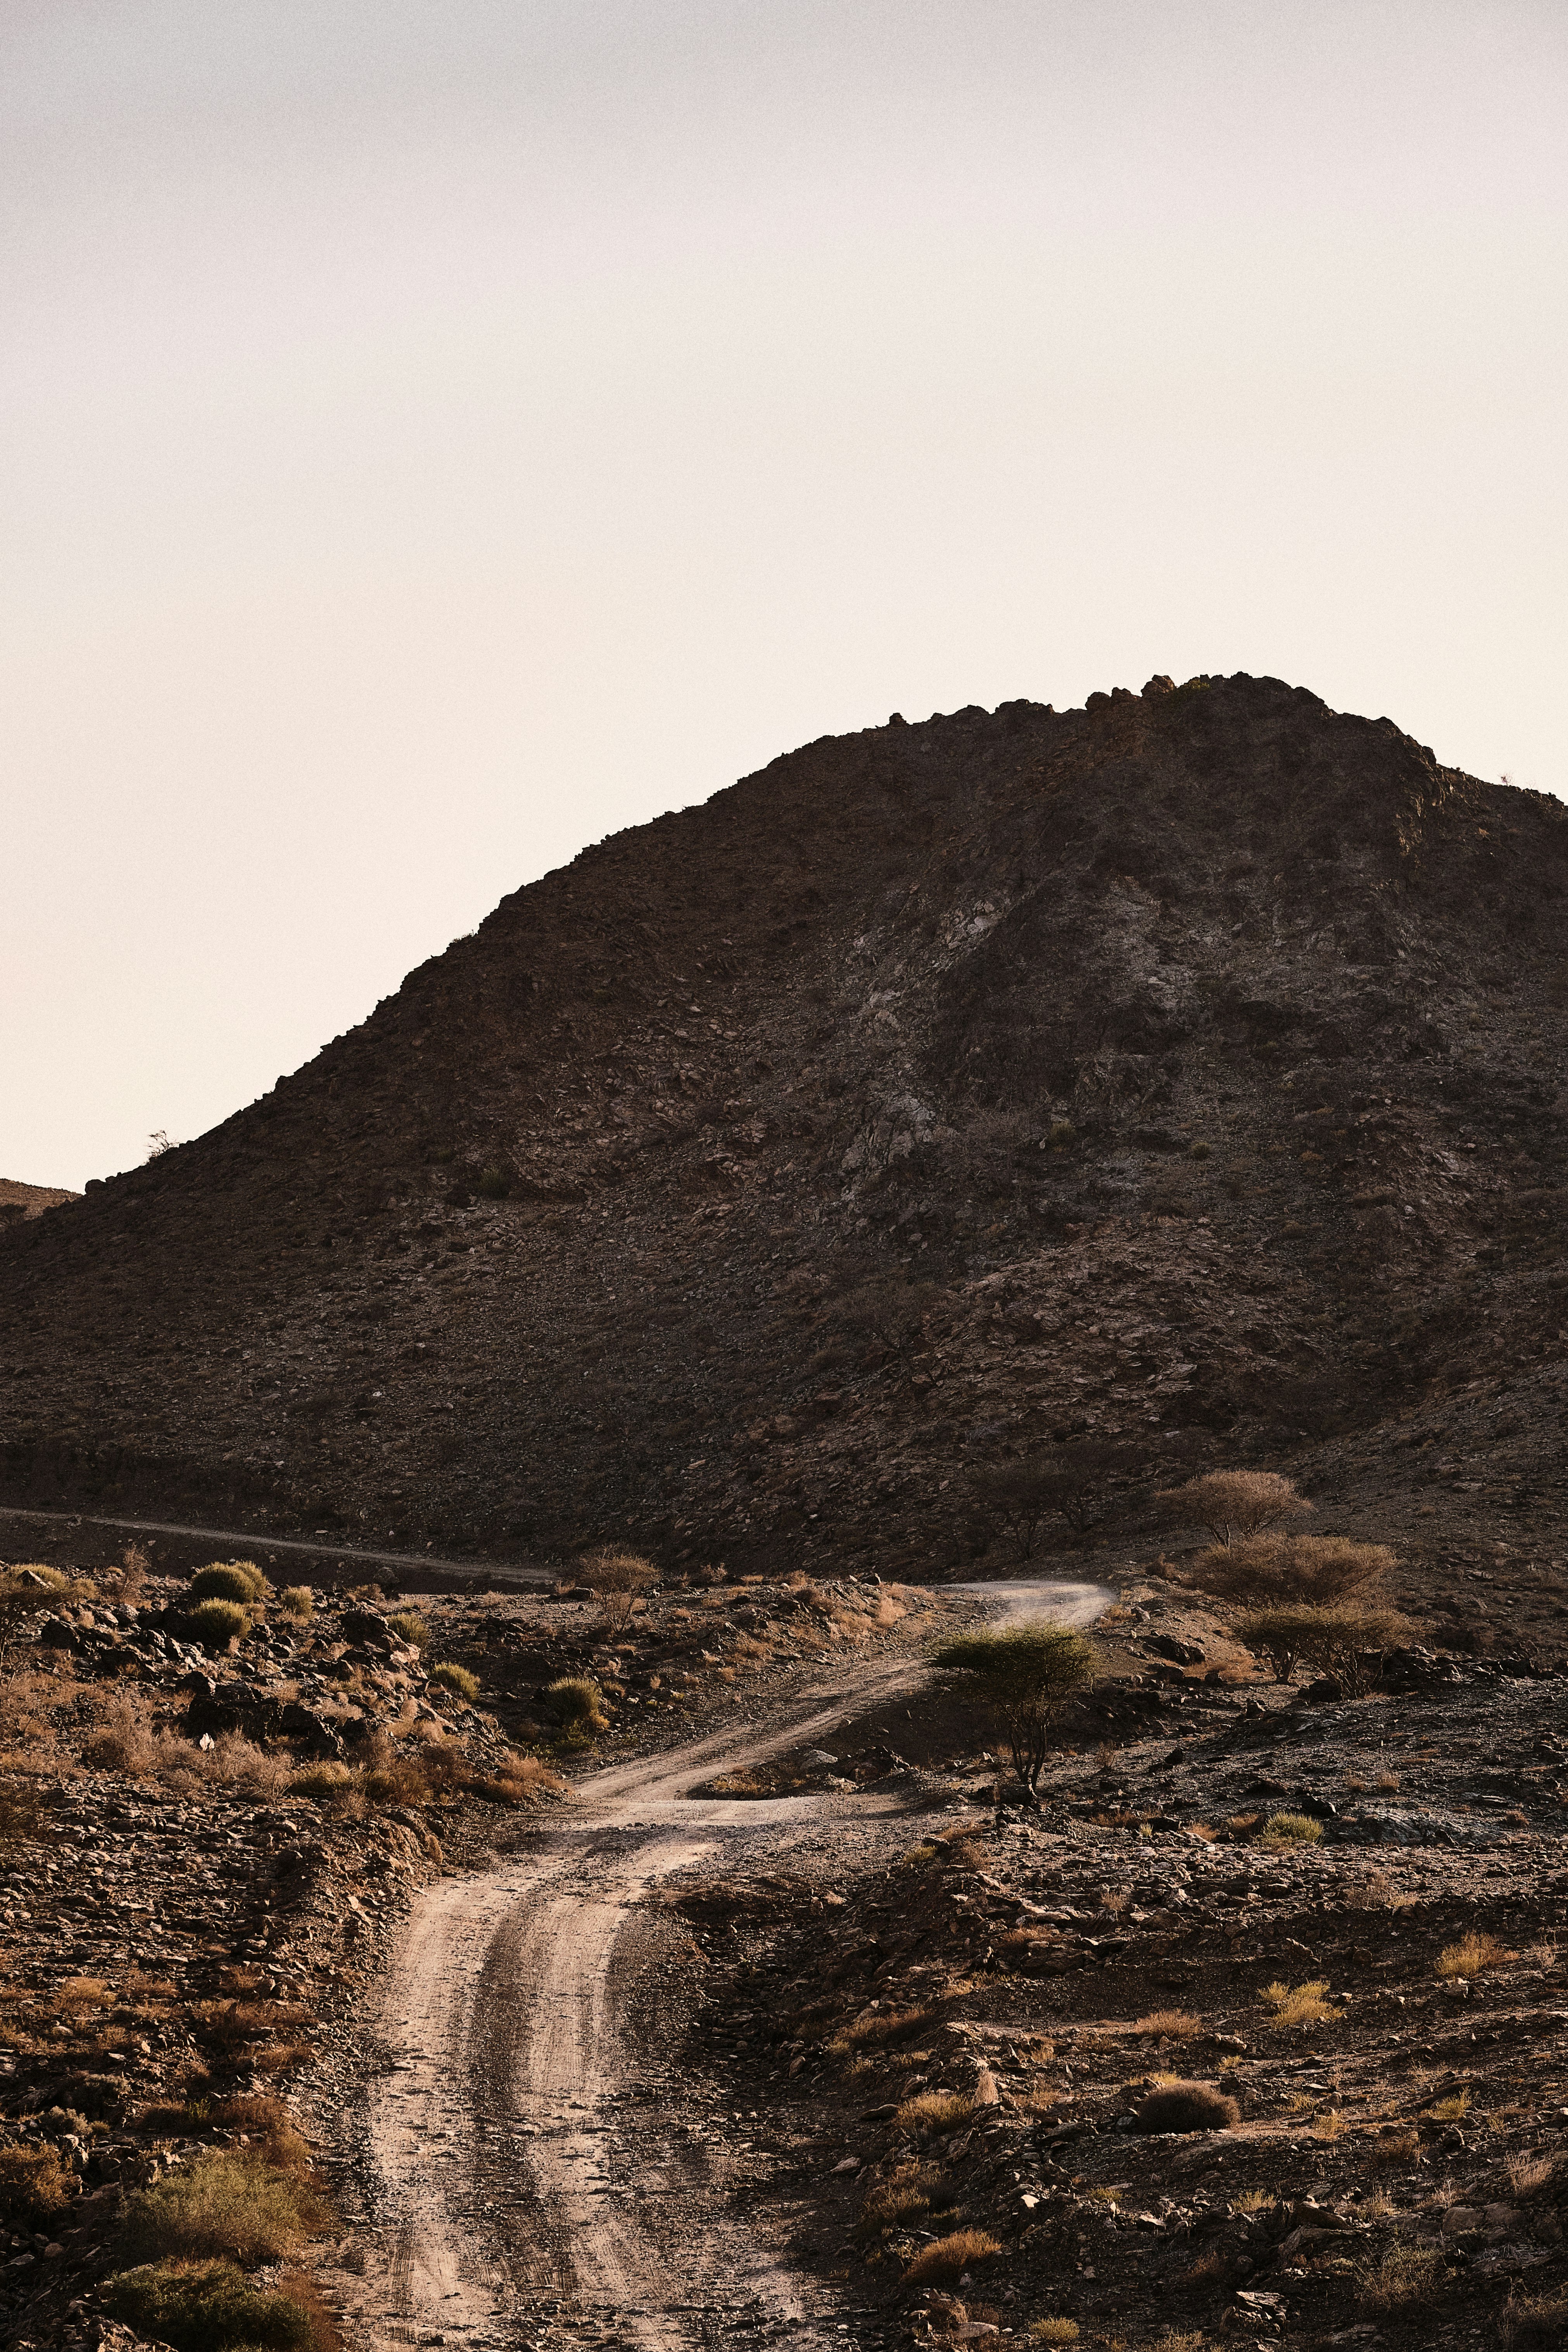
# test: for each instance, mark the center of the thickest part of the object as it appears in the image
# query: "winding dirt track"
(535, 2173)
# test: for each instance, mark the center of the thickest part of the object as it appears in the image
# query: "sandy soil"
(532, 2173)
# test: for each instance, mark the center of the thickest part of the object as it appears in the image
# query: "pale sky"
(436, 433)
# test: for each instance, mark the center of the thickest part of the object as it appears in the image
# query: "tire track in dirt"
(532, 2179)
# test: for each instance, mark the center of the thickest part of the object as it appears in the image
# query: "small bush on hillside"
(933, 2111)
(1291, 1829)
(576, 1701)
(123, 1742)
(1187, 2107)
(34, 2184)
(615, 1578)
(233, 1580)
(224, 2204)
(1535, 2323)
(218, 1622)
(1053, 2331)
(1268, 1568)
(298, 1600)
(325, 1779)
(1470, 1955)
(913, 2190)
(1407, 2279)
(1169, 2025)
(35, 1575)
(873, 2032)
(410, 1628)
(950, 2257)
(1300, 2004)
(209, 2307)
(1232, 1503)
(448, 1676)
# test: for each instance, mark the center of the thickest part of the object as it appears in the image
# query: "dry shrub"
(520, 1781)
(78, 1994)
(1053, 2331)
(1300, 2004)
(578, 1704)
(270, 2128)
(1235, 1503)
(615, 1578)
(225, 2204)
(1535, 2323)
(233, 1762)
(1169, 2025)
(912, 2190)
(1317, 1569)
(298, 1600)
(410, 1629)
(1396, 2147)
(281, 2057)
(123, 1743)
(949, 2257)
(1376, 1892)
(321, 1781)
(875, 2029)
(33, 2184)
(232, 2021)
(1187, 2107)
(1407, 2279)
(1470, 1955)
(933, 2111)
(210, 2306)
(1527, 2171)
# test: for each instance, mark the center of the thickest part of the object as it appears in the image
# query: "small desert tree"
(1232, 1504)
(1024, 1676)
(1070, 1481)
(1265, 1569)
(615, 1578)
(1335, 1638)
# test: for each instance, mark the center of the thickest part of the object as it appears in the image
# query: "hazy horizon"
(436, 439)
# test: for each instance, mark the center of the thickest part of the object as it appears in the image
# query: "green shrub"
(224, 2204)
(577, 1701)
(1024, 1676)
(205, 2307)
(231, 1580)
(1334, 1637)
(410, 1629)
(218, 1622)
(1291, 1829)
(298, 1600)
(448, 1676)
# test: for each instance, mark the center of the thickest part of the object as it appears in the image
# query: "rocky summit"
(1181, 1070)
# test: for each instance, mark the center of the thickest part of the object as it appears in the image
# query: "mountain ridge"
(738, 1187)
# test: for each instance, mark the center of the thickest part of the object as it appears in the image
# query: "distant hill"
(1184, 1068)
(18, 1200)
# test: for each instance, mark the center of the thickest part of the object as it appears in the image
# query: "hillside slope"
(1184, 1068)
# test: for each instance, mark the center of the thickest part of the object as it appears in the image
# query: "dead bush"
(1408, 2278)
(1232, 1503)
(875, 2031)
(616, 1580)
(1187, 2107)
(913, 2190)
(1535, 2323)
(123, 1743)
(1169, 2025)
(933, 2111)
(1473, 1953)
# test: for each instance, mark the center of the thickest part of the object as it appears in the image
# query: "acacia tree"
(1070, 1481)
(1024, 1676)
(1232, 1504)
(615, 1578)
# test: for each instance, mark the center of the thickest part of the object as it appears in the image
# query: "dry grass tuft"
(1187, 2107)
(1169, 2025)
(1407, 2279)
(34, 2185)
(1053, 2331)
(1299, 2004)
(878, 2028)
(1531, 2170)
(933, 2111)
(950, 2257)
(1470, 1955)
(298, 1600)
(410, 1628)
(1535, 2323)
(225, 2204)
(913, 2190)
(1290, 1829)
(450, 1676)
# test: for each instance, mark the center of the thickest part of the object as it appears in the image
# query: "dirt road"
(536, 2173)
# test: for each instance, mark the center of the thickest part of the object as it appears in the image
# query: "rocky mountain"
(1182, 1069)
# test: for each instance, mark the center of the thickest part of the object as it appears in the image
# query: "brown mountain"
(1184, 1068)
(19, 1200)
